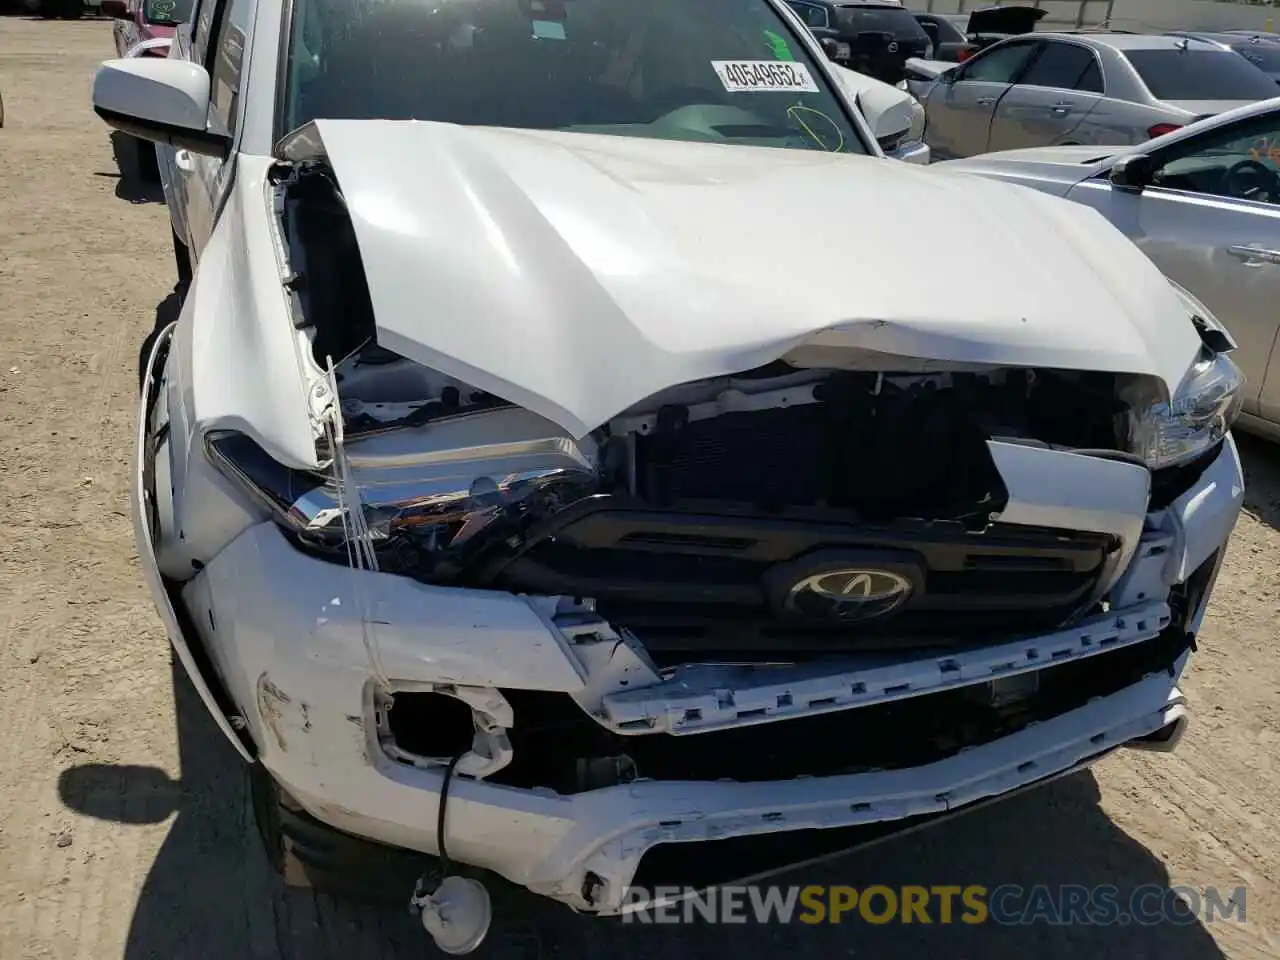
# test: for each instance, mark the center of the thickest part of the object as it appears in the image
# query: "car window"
(1200, 75)
(719, 71)
(205, 14)
(998, 64)
(813, 16)
(1059, 65)
(948, 32)
(167, 12)
(1241, 161)
(899, 21)
(1265, 56)
(1091, 80)
(224, 78)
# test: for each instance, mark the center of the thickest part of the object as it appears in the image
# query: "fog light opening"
(428, 726)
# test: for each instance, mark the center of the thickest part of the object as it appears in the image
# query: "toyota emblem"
(893, 46)
(852, 593)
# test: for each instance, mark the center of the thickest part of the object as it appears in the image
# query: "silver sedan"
(1060, 88)
(1204, 204)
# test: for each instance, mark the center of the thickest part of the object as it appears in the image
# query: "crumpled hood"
(578, 274)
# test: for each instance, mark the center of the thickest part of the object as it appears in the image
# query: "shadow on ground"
(131, 182)
(1261, 459)
(211, 894)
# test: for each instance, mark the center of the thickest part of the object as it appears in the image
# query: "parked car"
(1202, 203)
(138, 20)
(1262, 50)
(65, 9)
(507, 498)
(872, 37)
(138, 151)
(1078, 89)
(958, 36)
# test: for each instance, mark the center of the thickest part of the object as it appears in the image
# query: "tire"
(181, 260)
(144, 158)
(72, 9)
(49, 9)
(306, 853)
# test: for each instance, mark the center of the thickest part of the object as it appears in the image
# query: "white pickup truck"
(565, 461)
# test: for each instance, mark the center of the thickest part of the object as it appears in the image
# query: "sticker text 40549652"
(740, 76)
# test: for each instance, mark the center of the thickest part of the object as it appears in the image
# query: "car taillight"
(964, 54)
(1160, 129)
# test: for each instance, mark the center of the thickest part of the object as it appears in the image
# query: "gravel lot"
(126, 830)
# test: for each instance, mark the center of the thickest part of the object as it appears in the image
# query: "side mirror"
(116, 9)
(162, 100)
(837, 50)
(892, 114)
(1133, 172)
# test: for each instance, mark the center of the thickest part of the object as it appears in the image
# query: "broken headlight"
(427, 491)
(1198, 416)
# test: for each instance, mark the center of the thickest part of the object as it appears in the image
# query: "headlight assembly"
(1205, 407)
(430, 490)
(918, 117)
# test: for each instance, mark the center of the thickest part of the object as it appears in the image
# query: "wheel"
(182, 260)
(307, 853)
(72, 9)
(49, 9)
(145, 159)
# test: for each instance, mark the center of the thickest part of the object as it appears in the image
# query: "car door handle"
(183, 160)
(1254, 256)
(985, 101)
(1061, 107)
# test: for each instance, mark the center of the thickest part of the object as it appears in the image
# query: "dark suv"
(874, 37)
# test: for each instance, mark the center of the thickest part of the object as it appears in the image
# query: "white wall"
(1138, 14)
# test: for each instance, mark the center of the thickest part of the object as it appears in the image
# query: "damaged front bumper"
(288, 673)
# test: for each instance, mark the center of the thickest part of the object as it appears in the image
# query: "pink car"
(138, 20)
(144, 28)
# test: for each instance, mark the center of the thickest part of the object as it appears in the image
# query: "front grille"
(915, 455)
(556, 744)
(698, 582)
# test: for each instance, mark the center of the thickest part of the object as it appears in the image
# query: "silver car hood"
(577, 275)
(1053, 170)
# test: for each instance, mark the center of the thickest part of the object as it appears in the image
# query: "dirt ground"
(126, 830)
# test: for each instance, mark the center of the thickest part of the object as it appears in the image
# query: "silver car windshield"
(728, 71)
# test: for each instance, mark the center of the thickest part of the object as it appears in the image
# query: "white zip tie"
(359, 540)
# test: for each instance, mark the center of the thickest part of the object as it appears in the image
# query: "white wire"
(359, 540)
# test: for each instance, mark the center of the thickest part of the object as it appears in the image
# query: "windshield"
(856, 18)
(167, 11)
(949, 31)
(1200, 75)
(1264, 56)
(726, 71)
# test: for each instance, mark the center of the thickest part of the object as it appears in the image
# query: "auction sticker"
(742, 76)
